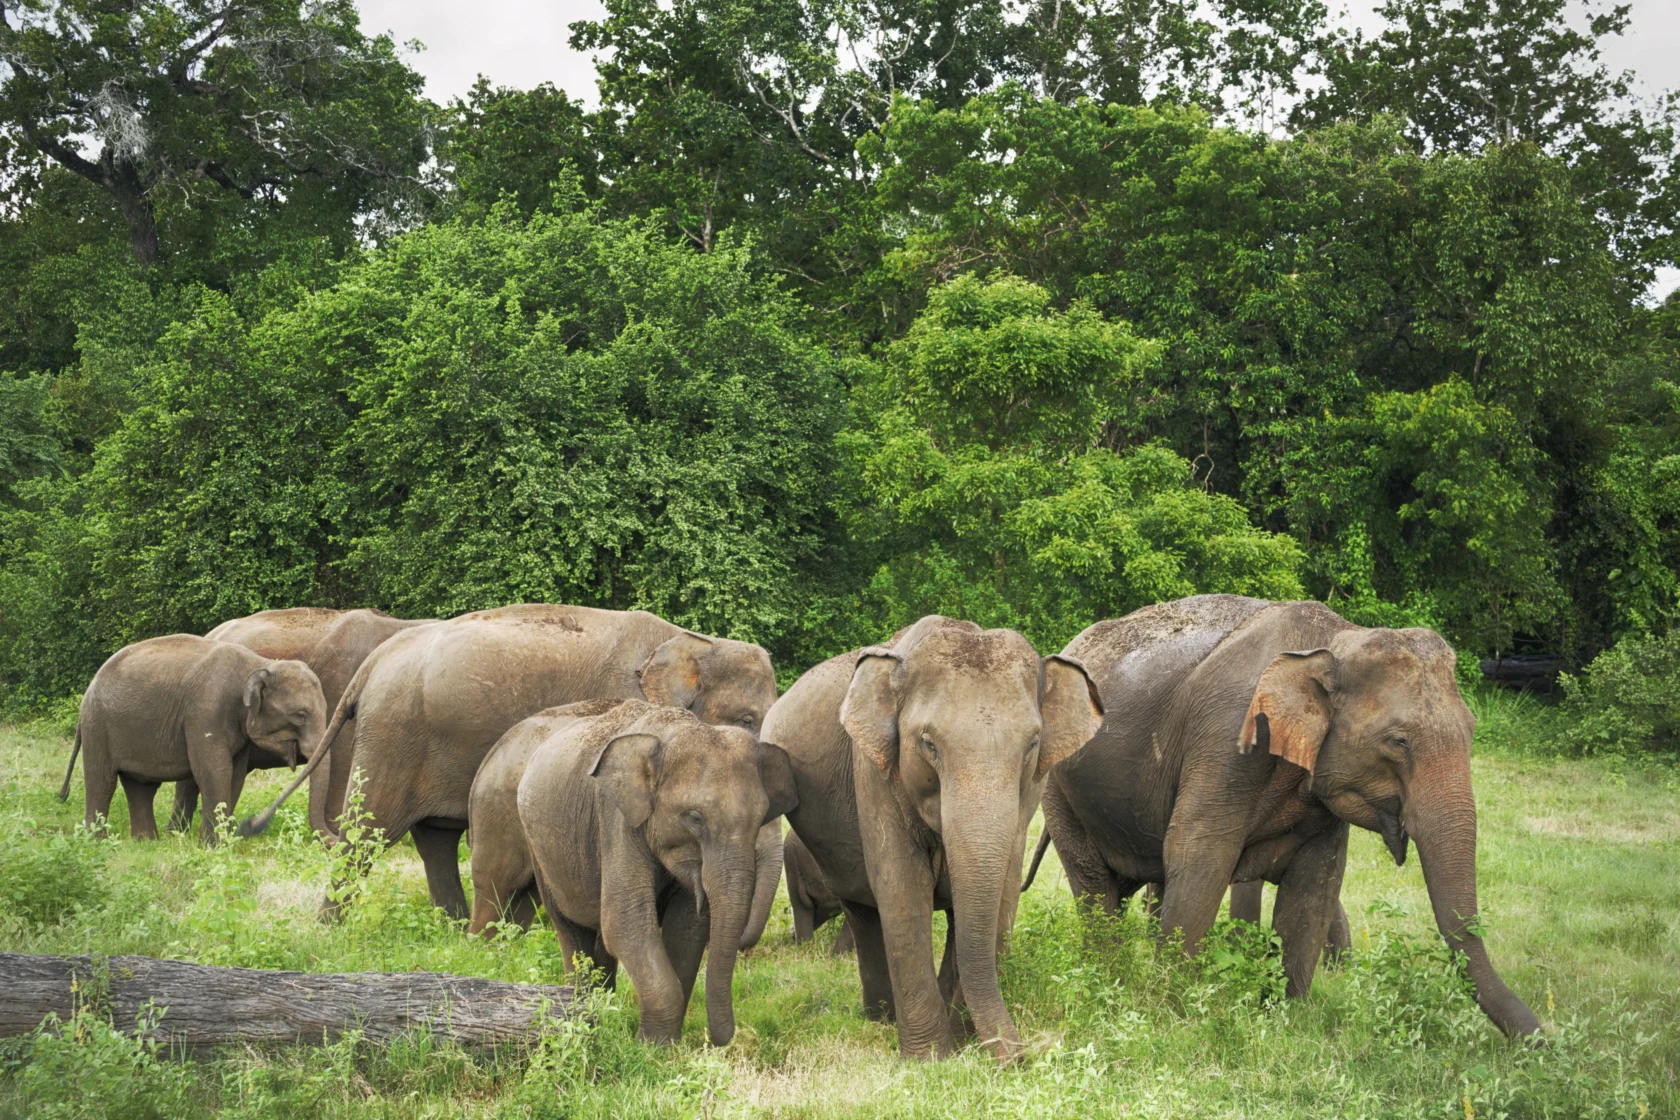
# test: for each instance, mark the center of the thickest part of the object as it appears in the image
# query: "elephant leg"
(1199, 869)
(950, 982)
(522, 911)
(185, 807)
(1245, 901)
(1088, 874)
(142, 825)
(440, 850)
(1340, 938)
(503, 878)
(606, 962)
(1152, 899)
(1307, 899)
(906, 928)
(684, 928)
(325, 815)
(843, 942)
(99, 782)
(804, 924)
(212, 769)
(865, 922)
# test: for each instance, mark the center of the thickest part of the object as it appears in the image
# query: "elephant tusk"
(699, 892)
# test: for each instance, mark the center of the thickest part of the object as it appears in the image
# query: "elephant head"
(724, 682)
(965, 724)
(285, 711)
(695, 797)
(1377, 722)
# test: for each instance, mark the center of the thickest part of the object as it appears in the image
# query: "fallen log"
(206, 1006)
(1527, 672)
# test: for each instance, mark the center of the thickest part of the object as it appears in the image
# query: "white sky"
(523, 42)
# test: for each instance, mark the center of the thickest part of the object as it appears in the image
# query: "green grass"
(1580, 883)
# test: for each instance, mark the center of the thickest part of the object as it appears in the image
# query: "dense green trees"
(831, 315)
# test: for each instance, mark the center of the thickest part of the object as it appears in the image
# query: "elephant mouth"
(1393, 834)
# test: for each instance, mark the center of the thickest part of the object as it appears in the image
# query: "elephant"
(919, 765)
(1243, 739)
(432, 700)
(639, 829)
(504, 877)
(331, 642)
(813, 903)
(183, 707)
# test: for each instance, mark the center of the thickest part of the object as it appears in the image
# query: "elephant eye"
(300, 715)
(693, 821)
(929, 749)
(746, 721)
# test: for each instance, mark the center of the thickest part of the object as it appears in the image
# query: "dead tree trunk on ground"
(206, 1006)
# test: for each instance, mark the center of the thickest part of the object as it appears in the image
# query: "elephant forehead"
(989, 653)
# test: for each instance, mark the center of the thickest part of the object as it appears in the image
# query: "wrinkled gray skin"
(333, 644)
(814, 904)
(919, 765)
(431, 701)
(1242, 739)
(183, 708)
(642, 822)
(504, 877)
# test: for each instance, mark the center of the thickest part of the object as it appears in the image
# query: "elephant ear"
(870, 711)
(255, 685)
(1290, 713)
(628, 766)
(776, 771)
(670, 676)
(1070, 707)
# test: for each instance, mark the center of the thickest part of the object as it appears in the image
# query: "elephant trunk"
(729, 892)
(1440, 816)
(978, 832)
(769, 874)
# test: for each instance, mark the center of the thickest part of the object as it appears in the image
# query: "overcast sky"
(522, 42)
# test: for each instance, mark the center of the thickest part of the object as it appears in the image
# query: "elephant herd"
(628, 776)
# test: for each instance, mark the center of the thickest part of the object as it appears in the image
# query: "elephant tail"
(1038, 858)
(346, 710)
(70, 771)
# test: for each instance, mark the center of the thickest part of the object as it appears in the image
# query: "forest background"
(834, 313)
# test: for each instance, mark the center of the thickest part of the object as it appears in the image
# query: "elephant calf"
(183, 707)
(640, 823)
(814, 902)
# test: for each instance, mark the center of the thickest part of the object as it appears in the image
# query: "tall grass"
(1580, 869)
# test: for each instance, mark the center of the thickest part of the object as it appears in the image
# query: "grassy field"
(1580, 884)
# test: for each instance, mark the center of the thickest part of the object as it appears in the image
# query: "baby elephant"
(179, 707)
(813, 901)
(637, 826)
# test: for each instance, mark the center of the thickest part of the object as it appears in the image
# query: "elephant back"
(1129, 650)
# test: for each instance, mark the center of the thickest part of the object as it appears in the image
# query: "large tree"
(163, 103)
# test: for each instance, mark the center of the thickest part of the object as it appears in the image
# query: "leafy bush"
(88, 1069)
(1627, 700)
(45, 876)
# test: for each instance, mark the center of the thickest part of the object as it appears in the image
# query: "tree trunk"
(207, 1006)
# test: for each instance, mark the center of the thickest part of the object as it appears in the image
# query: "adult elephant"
(1242, 739)
(918, 766)
(334, 644)
(430, 703)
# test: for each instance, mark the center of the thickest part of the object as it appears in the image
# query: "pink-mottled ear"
(670, 676)
(1070, 706)
(870, 711)
(1290, 713)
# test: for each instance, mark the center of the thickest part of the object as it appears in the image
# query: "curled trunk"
(1441, 818)
(769, 874)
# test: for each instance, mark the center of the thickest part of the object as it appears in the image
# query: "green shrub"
(88, 1069)
(46, 876)
(1627, 700)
